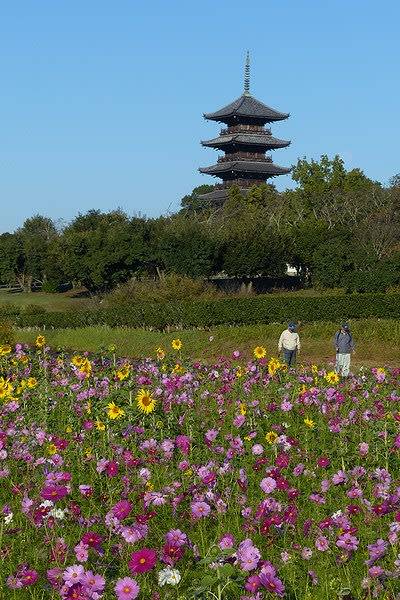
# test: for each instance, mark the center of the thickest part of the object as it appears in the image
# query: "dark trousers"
(289, 357)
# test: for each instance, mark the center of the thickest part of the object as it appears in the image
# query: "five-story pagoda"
(245, 142)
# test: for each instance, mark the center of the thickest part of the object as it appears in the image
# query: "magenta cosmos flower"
(142, 560)
(122, 509)
(126, 589)
(54, 492)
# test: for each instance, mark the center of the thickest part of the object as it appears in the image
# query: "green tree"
(35, 236)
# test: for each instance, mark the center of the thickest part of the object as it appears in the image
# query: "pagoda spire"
(246, 91)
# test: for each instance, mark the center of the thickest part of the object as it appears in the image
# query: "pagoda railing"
(244, 156)
(245, 128)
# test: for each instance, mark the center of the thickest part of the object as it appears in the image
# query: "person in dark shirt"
(344, 346)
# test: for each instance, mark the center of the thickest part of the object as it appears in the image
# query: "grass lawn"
(377, 341)
(50, 302)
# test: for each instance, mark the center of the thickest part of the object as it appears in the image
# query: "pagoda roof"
(246, 107)
(260, 167)
(265, 140)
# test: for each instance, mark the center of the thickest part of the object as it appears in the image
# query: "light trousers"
(343, 364)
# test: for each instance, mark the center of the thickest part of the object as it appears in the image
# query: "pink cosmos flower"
(134, 533)
(142, 560)
(176, 537)
(73, 575)
(29, 577)
(257, 449)
(55, 577)
(81, 552)
(347, 542)
(268, 484)
(200, 509)
(272, 584)
(253, 583)
(363, 449)
(227, 541)
(93, 583)
(126, 589)
(322, 543)
(183, 443)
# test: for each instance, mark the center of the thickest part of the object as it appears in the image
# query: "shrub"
(229, 311)
(9, 310)
(33, 309)
(6, 333)
(169, 289)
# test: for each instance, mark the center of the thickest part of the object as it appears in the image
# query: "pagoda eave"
(240, 168)
(265, 142)
(246, 107)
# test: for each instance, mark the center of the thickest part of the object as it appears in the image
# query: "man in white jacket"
(289, 344)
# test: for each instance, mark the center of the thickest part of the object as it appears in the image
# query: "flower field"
(168, 478)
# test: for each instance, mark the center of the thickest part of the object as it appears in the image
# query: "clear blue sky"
(101, 102)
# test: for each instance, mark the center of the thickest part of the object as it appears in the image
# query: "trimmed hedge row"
(231, 311)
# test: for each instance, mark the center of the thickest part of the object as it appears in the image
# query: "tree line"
(337, 227)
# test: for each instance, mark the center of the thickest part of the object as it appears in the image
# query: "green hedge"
(231, 311)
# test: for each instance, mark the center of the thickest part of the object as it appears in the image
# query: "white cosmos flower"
(8, 518)
(58, 513)
(47, 504)
(169, 576)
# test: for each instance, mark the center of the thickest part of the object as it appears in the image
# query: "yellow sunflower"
(77, 360)
(114, 411)
(86, 367)
(309, 422)
(176, 344)
(145, 401)
(273, 366)
(51, 449)
(6, 389)
(4, 350)
(332, 377)
(259, 352)
(31, 382)
(160, 353)
(123, 373)
(271, 437)
(40, 341)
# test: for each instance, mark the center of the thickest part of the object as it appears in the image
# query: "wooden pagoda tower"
(245, 141)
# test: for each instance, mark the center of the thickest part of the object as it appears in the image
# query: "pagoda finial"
(247, 75)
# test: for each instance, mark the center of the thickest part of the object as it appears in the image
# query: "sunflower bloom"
(273, 366)
(4, 350)
(332, 377)
(176, 344)
(40, 341)
(242, 409)
(123, 373)
(271, 437)
(309, 422)
(259, 352)
(51, 449)
(160, 353)
(99, 425)
(77, 360)
(145, 401)
(114, 411)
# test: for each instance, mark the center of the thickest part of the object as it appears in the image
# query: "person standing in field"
(344, 346)
(289, 344)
